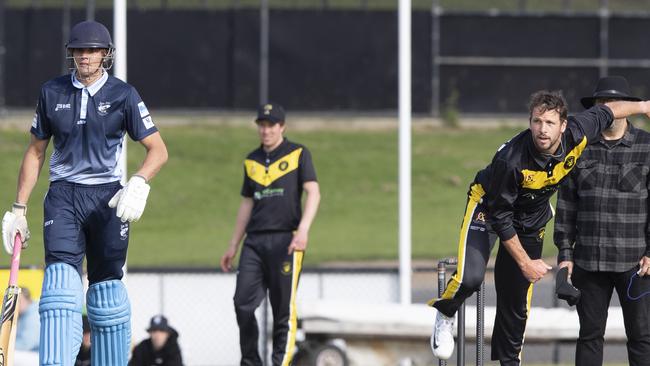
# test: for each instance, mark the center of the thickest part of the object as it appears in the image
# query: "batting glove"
(131, 199)
(13, 222)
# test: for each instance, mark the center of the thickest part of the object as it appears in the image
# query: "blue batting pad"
(109, 315)
(60, 310)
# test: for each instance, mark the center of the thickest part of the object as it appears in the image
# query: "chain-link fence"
(199, 305)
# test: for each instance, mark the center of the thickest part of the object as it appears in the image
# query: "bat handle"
(15, 261)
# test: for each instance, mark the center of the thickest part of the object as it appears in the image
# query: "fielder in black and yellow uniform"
(509, 200)
(275, 176)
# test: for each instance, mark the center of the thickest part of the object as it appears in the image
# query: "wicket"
(480, 317)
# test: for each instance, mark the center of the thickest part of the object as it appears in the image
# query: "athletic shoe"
(442, 339)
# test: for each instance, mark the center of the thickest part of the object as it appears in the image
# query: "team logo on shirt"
(103, 107)
(569, 162)
(148, 122)
(124, 231)
(286, 268)
(283, 165)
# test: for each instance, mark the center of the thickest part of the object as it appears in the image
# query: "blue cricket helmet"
(89, 34)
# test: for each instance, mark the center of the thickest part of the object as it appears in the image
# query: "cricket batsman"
(87, 211)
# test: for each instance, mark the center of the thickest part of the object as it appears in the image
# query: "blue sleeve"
(138, 120)
(41, 124)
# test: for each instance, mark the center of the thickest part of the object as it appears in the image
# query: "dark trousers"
(264, 265)
(514, 291)
(78, 222)
(596, 292)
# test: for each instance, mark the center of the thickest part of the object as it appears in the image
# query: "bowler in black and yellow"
(510, 200)
(276, 232)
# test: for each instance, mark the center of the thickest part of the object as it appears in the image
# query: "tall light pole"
(404, 26)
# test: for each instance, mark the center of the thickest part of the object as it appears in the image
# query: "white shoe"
(442, 339)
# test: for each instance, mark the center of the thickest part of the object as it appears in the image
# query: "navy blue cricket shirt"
(88, 124)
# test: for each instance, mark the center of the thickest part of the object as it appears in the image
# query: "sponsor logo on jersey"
(529, 178)
(48, 223)
(81, 122)
(124, 231)
(103, 107)
(268, 192)
(148, 122)
(480, 218)
(61, 106)
(143, 110)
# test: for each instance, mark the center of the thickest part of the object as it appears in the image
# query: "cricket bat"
(9, 322)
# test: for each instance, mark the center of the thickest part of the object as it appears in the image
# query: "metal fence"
(198, 303)
(467, 57)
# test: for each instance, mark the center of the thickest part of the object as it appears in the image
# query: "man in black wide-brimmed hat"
(602, 231)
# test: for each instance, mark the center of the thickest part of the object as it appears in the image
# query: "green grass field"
(193, 201)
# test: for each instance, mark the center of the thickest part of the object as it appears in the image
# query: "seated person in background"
(161, 348)
(28, 332)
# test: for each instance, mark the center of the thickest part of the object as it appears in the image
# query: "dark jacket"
(169, 355)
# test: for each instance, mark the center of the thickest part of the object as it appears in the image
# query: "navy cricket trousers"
(78, 222)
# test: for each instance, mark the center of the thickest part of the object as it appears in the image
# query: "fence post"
(90, 9)
(3, 102)
(480, 317)
(435, 58)
(441, 286)
(65, 33)
(604, 38)
(264, 52)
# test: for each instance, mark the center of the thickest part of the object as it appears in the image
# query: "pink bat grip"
(15, 261)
